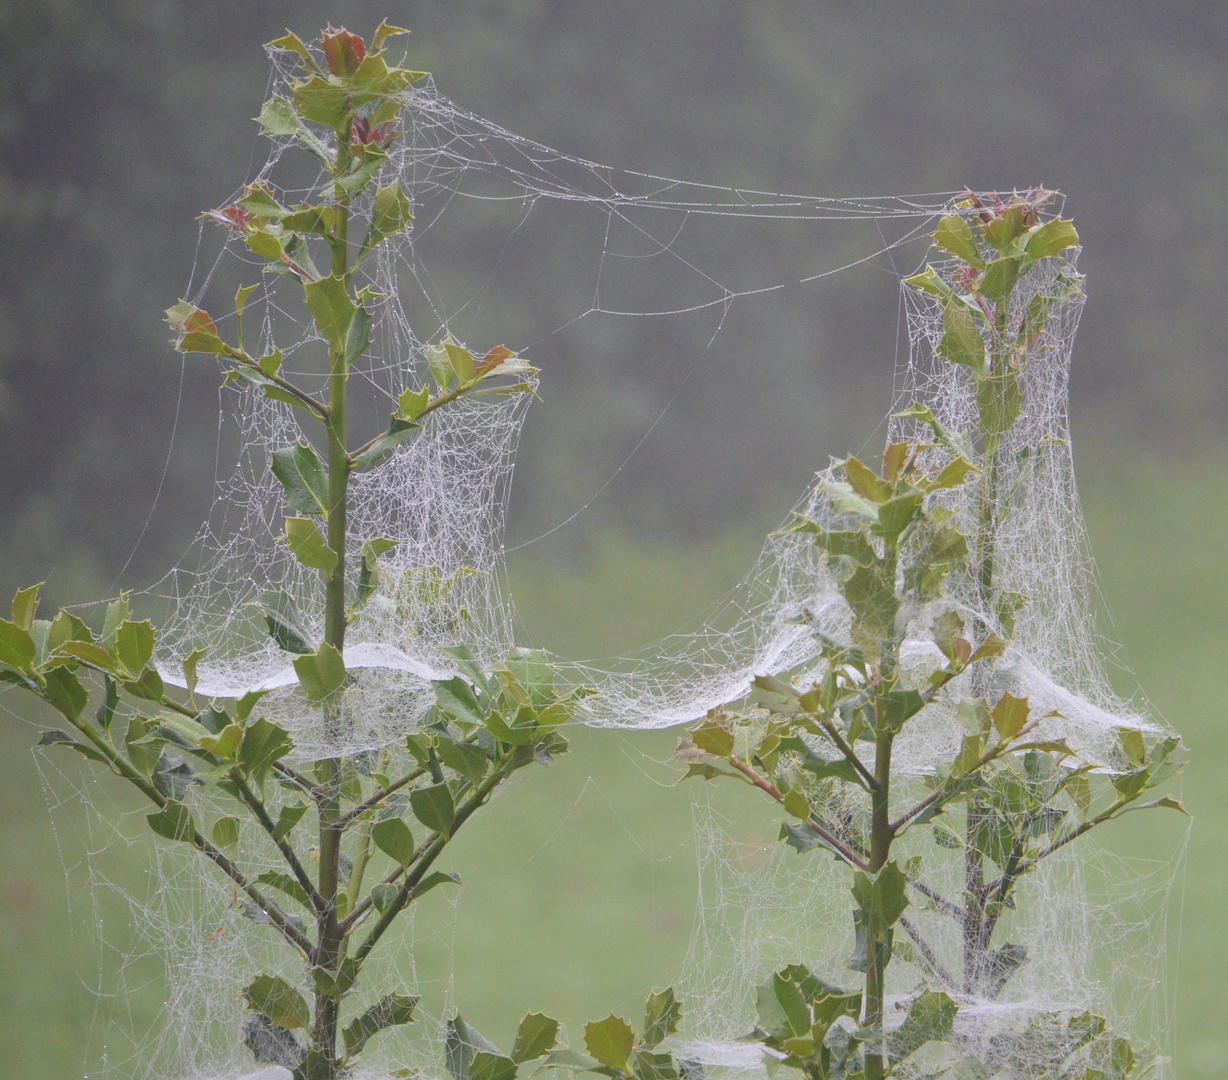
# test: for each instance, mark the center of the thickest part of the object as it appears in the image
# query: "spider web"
(638, 253)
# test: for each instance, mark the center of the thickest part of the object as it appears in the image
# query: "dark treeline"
(121, 120)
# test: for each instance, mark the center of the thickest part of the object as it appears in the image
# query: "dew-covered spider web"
(638, 259)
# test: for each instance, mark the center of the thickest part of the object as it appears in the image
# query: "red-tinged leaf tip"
(230, 217)
(494, 358)
(343, 51)
(382, 134)
(187, 318)
(360, 131)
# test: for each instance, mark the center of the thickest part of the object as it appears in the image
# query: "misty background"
(121, 121)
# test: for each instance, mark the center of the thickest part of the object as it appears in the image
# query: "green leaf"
(321, 101)
(866, 482)
(330, 305)
(277, 1001)
(65, 692)
(321, 674)
(368, 574)
(999, 399)
(662, 1014)
(16, 646)
(382, 897)
(1052, 237)
(440, 365)
(800, 837)
(264, 744)
(782, 1010)
(954, 234)
(173, 821)
(609, 1041)
(431, 880)
(470, 761)
(303, 478)
(961, 341)
(107, 706)
(953, 474)
(390, 215)
(931, 1018)
(536, 1037)
(393, 838)
(433, 806)
(25, 605)
(278, 118)
(1006, 227)
(460, 1044)
(309, 546)
(189, 665)
(897, 707)
(337, 984)
(292, 43)
(1000, 278)
(488, 1066)
(134, 645)
(455, 697)
(412, 402)
(714, 737)
(289, 816)
(259, 202)
(1132, 745)
(226, 831)
(930, 282)
(796, 803)
(461, 360)
(285, 623)
(149, 686)
(399, 430)
(286, 884)
(55, 738)
(881, 896)
(358, 337)
(1010, 715)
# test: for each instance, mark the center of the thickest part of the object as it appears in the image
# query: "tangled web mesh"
(443, 497)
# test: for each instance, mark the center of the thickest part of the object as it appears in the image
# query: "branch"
(928, 953)
(137, 779)
(257, 808)
(844, 748)
(828, 837)
(380, 796)
(430, 853)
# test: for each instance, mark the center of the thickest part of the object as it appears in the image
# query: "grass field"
(587, 884)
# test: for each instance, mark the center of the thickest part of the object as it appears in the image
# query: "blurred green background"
(122, 120)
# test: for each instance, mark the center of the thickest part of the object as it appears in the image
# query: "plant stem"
(330, 939)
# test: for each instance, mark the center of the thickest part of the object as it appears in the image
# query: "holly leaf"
(328, 300)
(285, 624)
(954, 234)
(389, 216)
(393, 838)
(931, 1018)
(302, 477)
(536, 1037)
(961, 341)
(16, 646)
(610, 1041)
(277, 1001)
(433, 806)
(399, 430)
(321, 674)
(173, 821)
(662, 1014)
(1010, 715)
(1052, 237)
(307, 542)
(392, 1010)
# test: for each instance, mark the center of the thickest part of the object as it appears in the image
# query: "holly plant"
(1008, 799)
(357, 838)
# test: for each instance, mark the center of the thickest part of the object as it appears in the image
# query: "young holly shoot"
(337, 696)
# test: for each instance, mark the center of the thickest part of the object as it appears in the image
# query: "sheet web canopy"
(628, 261)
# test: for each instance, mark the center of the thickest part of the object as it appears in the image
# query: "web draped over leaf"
(443, 496)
